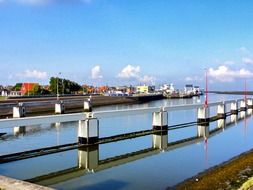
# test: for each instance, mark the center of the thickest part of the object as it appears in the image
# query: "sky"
(117, 42)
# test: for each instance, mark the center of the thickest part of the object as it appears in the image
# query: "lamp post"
(58, 86)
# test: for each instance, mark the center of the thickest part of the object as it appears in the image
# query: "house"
(145, 89)
(27, 88)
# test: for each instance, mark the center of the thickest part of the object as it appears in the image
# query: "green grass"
(3, 98)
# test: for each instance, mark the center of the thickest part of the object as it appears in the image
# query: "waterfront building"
(145, 89)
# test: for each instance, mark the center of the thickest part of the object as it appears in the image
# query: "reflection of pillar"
(59, 107)
(221, 123)
(242, 114)
(221, 111)
(234, 118)
(249, 111)
(19, 130)
(203, 131)
(203, 115)
(160, 140)
(88, 157)
(243, 106)
(234, 107)
(88, 131)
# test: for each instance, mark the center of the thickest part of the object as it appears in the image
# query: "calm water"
(149, 169)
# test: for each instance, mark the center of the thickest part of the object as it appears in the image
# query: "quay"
(88, 139)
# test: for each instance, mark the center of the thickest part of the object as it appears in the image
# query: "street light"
(58, 86)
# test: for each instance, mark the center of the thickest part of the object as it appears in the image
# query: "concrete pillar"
(221, 123)
(243, 105)
(19, 130)
(88, 157)
(203, 131)
(59, 107)
(160, 140)
(19, 111)
(250, 103)
(203, 115)
(221, 111)
(234, 107)
(88, 130)
(87, 106)
(160, 120)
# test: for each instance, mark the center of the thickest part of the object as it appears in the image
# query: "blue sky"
(127, 41)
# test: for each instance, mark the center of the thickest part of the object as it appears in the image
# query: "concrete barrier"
(7, 183)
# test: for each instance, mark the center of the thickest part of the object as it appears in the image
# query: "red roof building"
(27, 87)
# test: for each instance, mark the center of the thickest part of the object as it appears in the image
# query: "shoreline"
(42, 106)
(231, 174)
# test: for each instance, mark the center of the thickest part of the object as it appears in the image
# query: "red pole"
(206, 100)
(245, 91)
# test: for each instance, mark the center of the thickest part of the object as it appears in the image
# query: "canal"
(128, 164)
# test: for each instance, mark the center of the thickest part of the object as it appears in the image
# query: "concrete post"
(160, 140)
(250, 103)
(221, 111)
(87, 106)
(203, 115)
(243, 105)
(59, 107)
(88, 130)
(19, 111)
(203, 131)
(160, 120)
(88, 157)
(234, 107)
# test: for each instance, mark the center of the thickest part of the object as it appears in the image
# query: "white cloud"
(129, 72)
(243, 50)
(194, 78)
(33, 74)
(134, 72)
(224, 74)
(147, 79)
(247, 60)
(96, 72)
(229, 62)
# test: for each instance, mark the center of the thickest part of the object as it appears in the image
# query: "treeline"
(63, 86)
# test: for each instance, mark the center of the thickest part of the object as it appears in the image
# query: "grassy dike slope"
(229, 175)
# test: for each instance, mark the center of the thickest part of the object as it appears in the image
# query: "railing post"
(221, 111)
(59, 107)
(160, 120)
(88, 131)
(87, 106)
(243, 105)
(234, 107)
(19, 111)
(203, 114)
(88, 157)
(250, 103)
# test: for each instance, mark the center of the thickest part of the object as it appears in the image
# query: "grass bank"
(229, 175)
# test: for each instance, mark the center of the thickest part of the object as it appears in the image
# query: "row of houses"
(25, 88)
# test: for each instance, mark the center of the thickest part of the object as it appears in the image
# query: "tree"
(65, 86)
(17, 87)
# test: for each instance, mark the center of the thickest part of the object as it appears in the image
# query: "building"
(27, 88)
(145, 89)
